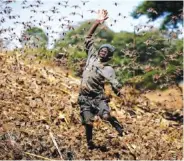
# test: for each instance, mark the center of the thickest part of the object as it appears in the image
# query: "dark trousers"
(91, 106)
(112, 120)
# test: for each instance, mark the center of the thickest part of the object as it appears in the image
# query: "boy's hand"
(102, 15)
(122, 93)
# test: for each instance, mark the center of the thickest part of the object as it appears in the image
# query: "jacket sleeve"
(89, 46)
(110, 75)
(89, 42)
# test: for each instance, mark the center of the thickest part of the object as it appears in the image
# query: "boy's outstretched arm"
(102, 16)
(110, 75)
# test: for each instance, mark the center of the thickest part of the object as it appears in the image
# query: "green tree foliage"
(34, 37)
(1, 44)
(146, 59)
(173, 11)
(34, 42)
(73, 37)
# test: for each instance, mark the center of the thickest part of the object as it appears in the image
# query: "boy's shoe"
(91, 145)
(119, 130)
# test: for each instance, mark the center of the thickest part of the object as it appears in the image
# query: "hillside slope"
(39, 118)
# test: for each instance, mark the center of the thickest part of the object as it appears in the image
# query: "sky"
(124, 22)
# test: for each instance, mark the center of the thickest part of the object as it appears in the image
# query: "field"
(39, 117)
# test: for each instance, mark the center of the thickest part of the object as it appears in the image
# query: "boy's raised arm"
(102, 16)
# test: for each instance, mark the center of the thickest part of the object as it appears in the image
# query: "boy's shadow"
(102, 148)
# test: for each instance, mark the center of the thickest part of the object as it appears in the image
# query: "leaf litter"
(40, 119)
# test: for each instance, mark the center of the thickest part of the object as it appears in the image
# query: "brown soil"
(169, 99)
(40, 118)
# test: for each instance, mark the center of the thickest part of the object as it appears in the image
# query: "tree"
(76, 37)
(172, 10)
(147, 59)
(1, 44)
(34, 37)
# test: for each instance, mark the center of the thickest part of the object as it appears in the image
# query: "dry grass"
(38, 99)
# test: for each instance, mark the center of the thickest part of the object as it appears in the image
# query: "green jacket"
(96, 72)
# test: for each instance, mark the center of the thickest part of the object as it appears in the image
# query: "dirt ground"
(170, 98)
(40, 118)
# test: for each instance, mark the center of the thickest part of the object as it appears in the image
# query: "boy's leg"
(89, 136)
(105, 114)
(89, 132)
(88, 123)
(115, 123)
(86, 117)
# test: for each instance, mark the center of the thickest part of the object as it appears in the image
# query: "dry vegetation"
(39, 118)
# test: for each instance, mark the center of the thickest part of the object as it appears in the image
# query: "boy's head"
(105, 52)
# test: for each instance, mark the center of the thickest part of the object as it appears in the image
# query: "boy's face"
(103, 52)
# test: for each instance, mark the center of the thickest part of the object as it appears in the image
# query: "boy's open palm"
(102, 15)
